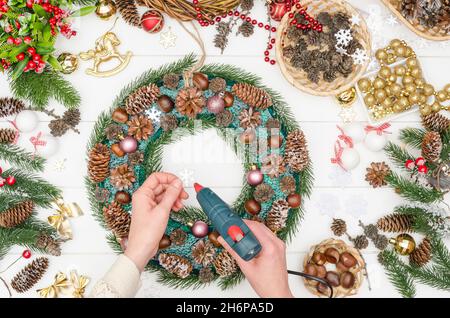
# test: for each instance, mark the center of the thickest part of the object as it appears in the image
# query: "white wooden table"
(89, 253)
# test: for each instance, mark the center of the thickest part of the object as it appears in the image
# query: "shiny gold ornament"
(403, 102)
(420, 82)
(347, 98)
(447, 89)
(396, 89)
(400, 70)
(59, 285)
(68, 62)
(370, 100)
(436, 107)
(404, 244)
(392, 78)
(412, 62)
(408, 79)
(388, 102)
(106, 9)
(395, 43)
(441, 96)
(79, 284)
(379, 83)
(397, 108)
(391, 58)
(400, 51)
(385, 71)
(416, 72)
(425, 110)
(381, 55)
(410, 88)
(422, 99)
(380, 94)
(414, 98)
(60, 220)
(428, 89)
(364, 85)
(408, 51)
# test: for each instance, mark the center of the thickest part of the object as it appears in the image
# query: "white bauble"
(350, 158)
(51, 147)
(355, 131)
(27, 121)
(375, 142)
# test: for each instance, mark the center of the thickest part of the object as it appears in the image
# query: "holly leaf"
(18, 69)
(21, 48)
(46, 34)
(83, 11)
(54, 63)
(39, 10)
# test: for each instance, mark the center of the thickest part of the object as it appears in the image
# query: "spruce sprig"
(20, 158)
(413, 191)
(395, 270)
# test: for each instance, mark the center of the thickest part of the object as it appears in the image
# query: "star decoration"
(347, 114)
(168, 38)
(392, 20)
(355, 19)
(60, 165)
(186, 176)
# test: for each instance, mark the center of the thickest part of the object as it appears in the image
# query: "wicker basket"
(357, 270)
(434, 34)
(298, 78)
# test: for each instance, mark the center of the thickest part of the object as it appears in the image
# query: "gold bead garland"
(398, 88)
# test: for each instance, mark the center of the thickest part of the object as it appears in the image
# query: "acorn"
(115, 148)
(294, 200)
(318, 258)
(332, 255)
(122, 197)
(348, 260)
(228, 99)
(212, 236)
(252, 207)
(200, 81)
(347, 280)
(165, 103)
(164, 242)
(120, 115)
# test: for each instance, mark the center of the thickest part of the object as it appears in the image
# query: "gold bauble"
(347, 98)
(400, 70)
(398, 108)
(412, 62)
(408, 51)
(420, 82)
(404, 244)
(379, 83)
(428, 89)
(414, 98)
(106, 9)
(416, 72)
(422, 99)
(407, 79)
(380, 94)
(396, 89)
(388, 102)
(400, 51)
(395, 43)
(370, 100)
(385, 71)
(392, 78)
(425, 110)
(447, 89)
(441, 96)
(364, 85)
(410, 88)
(403, 102)
(68, 62)
(388, 90)
(381, 55)
(391, 58)
(435, 107)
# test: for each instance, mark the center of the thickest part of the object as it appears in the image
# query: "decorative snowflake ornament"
(339, 177)
(392, 20)
(168, 39)
(186, 176)
(360, 56)
(355, 19)
(341, 50)
(60, 165)
(154, 114)
(343, 37)
(347, 114)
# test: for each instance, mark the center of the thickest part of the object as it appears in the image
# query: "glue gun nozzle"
(198, 187)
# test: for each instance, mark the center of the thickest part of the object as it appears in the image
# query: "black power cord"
(317, 279)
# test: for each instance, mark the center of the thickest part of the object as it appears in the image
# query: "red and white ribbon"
(379, 130)
(16, 136)
(37, 142)
(345, 138)
(338, 150)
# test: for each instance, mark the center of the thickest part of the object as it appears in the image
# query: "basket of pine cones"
(429, 19)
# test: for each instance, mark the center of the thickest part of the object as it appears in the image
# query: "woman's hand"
(267, 273)
(152, 203)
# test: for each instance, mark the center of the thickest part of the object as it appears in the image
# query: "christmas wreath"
(127, 144)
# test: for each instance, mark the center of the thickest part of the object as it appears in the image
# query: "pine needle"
(15, 155)
(395, 270)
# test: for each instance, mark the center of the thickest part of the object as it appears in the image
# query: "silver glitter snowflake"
(339, 177)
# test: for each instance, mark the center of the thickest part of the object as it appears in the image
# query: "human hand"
(267, 273)
(152, 203)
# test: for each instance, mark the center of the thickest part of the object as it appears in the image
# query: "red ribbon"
(37, 142)
(338, 150)
(345, 138)
(379, 130)
(16, 137)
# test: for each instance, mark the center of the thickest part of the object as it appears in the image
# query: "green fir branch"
(431, 276)
(441, 254)
(395, 270)
(173, 281)
(412, 137)
(18, 157)
(8, 200)
(398, 155)
(231, 281)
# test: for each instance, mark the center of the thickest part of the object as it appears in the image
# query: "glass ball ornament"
(375, 142)
(152, 21)
(254, 176)
(278, 8)
(128, 144)
(27, 121)
(68, 62)
(355, 131)
(404, 244)
(350, 158)
(200, 229)
(106, 9)
(215, 104)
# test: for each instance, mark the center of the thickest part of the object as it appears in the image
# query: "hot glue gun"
(229, 225)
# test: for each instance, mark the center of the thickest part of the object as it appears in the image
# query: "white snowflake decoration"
(356, 205)
(60, 165)
(347, 114)
(355, 19)
(339, 177)
(186, 176)
(341, 50)
(328, 204)
(168, 39)
(360, 56)
(392, 20)
(343, 37)
(154, 114)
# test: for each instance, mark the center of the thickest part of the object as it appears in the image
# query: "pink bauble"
(255, 177)
(215, 104)
(129, 145)
(200, 229)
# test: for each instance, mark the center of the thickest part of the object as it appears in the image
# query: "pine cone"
(432, 146)
(129, 12)
(247, 5)
(140, 127)
(422, 253)
(171, 80)
(361, 242)
(135, 158)
(436, 122)
(296, 151)
(17, 214)
(246, 29)
(217, 85)
(7, 135)
(252, 95)
(168, 122)
(277, 216)
(225, 264)
(10, 106)
(178, 237)
(203, 253)
(272, 123)
(221, 38)
(206, 275)
(190, 101)
(30, 275)
(288, 185)
(49, 244)
(263, 192)
(273, 165)
(224, 118)
(141, 99)
(371, 230)
(395, 223)
(377, 173)
(98, 165)
(122, 177)
(113, 132)
(117, 219)
(175, 264)
(249, 118)
(408, 8)
(339, 227)
(72, 117)
(381, 242)
(58, 127)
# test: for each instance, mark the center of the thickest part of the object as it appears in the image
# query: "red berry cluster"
(35, 63)
(10, 180)
(3, 7)
(419, 164)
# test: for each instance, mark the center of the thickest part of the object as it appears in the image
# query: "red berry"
(422, 169)
(20, 56)
(26, 254)
(17, 41)
(31, 65)
(10, 180)
(420, 161)
(1, 170)
(36, 57)
(267, 59)
(31, 51)
(10, 40)
(17, 24)
(409, 164)
(27, 40)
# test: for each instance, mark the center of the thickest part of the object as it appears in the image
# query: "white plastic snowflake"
(186, 176)
(356, 205)
(168, 39)
(328, 204)
(392, 20)
(347, 114)
(360, 56)
(339, 177)
(341, 50)
(343, 37)
(60, 165)
(355, 19)
(154, 114)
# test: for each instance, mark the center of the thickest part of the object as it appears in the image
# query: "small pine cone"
(273, 123)
(422, 253)
(432, 146)
(252, 95)
(129, 12)
(10, 106)
(217, 85)
(296, 151)
(206, 275)
(277, 216)
(135, 158)
(178, 237)
(113, 132)
(247, 5)
(190, 101)
(7, 135)
(408, 9)
(48, 244)
(141, 99)
(122, 177)
(273, 165)
(58, 127)
(376, 174)
(72, 117)
(249, 118)
(221, 38)
(371, 230)
(17, 214)
(381, 242)
(30, 275)
(98, 165)
(395, 223)
(171, 80)
(203, 253)
(263, 192)
(339, 227)
(224, 118)
(225, 264)
(169, 122)
(436, 122)
(175, 264)
(246, 29)
(140, 127)
(288, 185)
(117, 219)
(361, 242)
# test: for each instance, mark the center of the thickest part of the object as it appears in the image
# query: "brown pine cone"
(171, 80)
(140, 127)
(277, 216)
(175, 264)
(206, 275)
(30, 275)
(380, 241)
(408, 8)
(395, 223)
(58, 127)
(168, 122)
(273, 165)
(247, 5)
(142, 99)
(178, 237)
(117, 219)
(190, 101)
(288, 185)
(203, 253)
(135, 158)
(246, 29)
(296, 151)
(263, 192)
(98, 165)
(361, 242)
(249, 118)
(10, 106)
(432, 146)
(221, 38)
(129, 12)
(48, 244)
(217, 85)
(371, 230)
(7, 135)
(377, 173)
(224, 118)
(422, 253)
(72, 117)
(339, 227)
(436, 122)
(252, 95)
(17, 214)
(122, 177)
(225, 264)
(113, 132)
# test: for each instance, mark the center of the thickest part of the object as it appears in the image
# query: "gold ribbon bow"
(61, 282)
(79, 284)
(60, 220)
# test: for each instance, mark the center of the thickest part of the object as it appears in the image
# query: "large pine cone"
(129, 12)
(190, 101)
(296, 152)
(175, 264)
(377, 173)
(436, 122)
(122, 177)
(263, 192)
(225, 264)
(432, 146)
(98, 166)
(72, 117)
(277, 216)
(10, 106)
(117, 219)
(7, 135)
(48, 244)
(141, 99)
(395, 223)
(408, 8)
(422, 253)
(252, 95)
(30, 275)
(140, 127)
(16, 215)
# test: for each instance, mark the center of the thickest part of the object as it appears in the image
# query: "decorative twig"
(51, 113)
